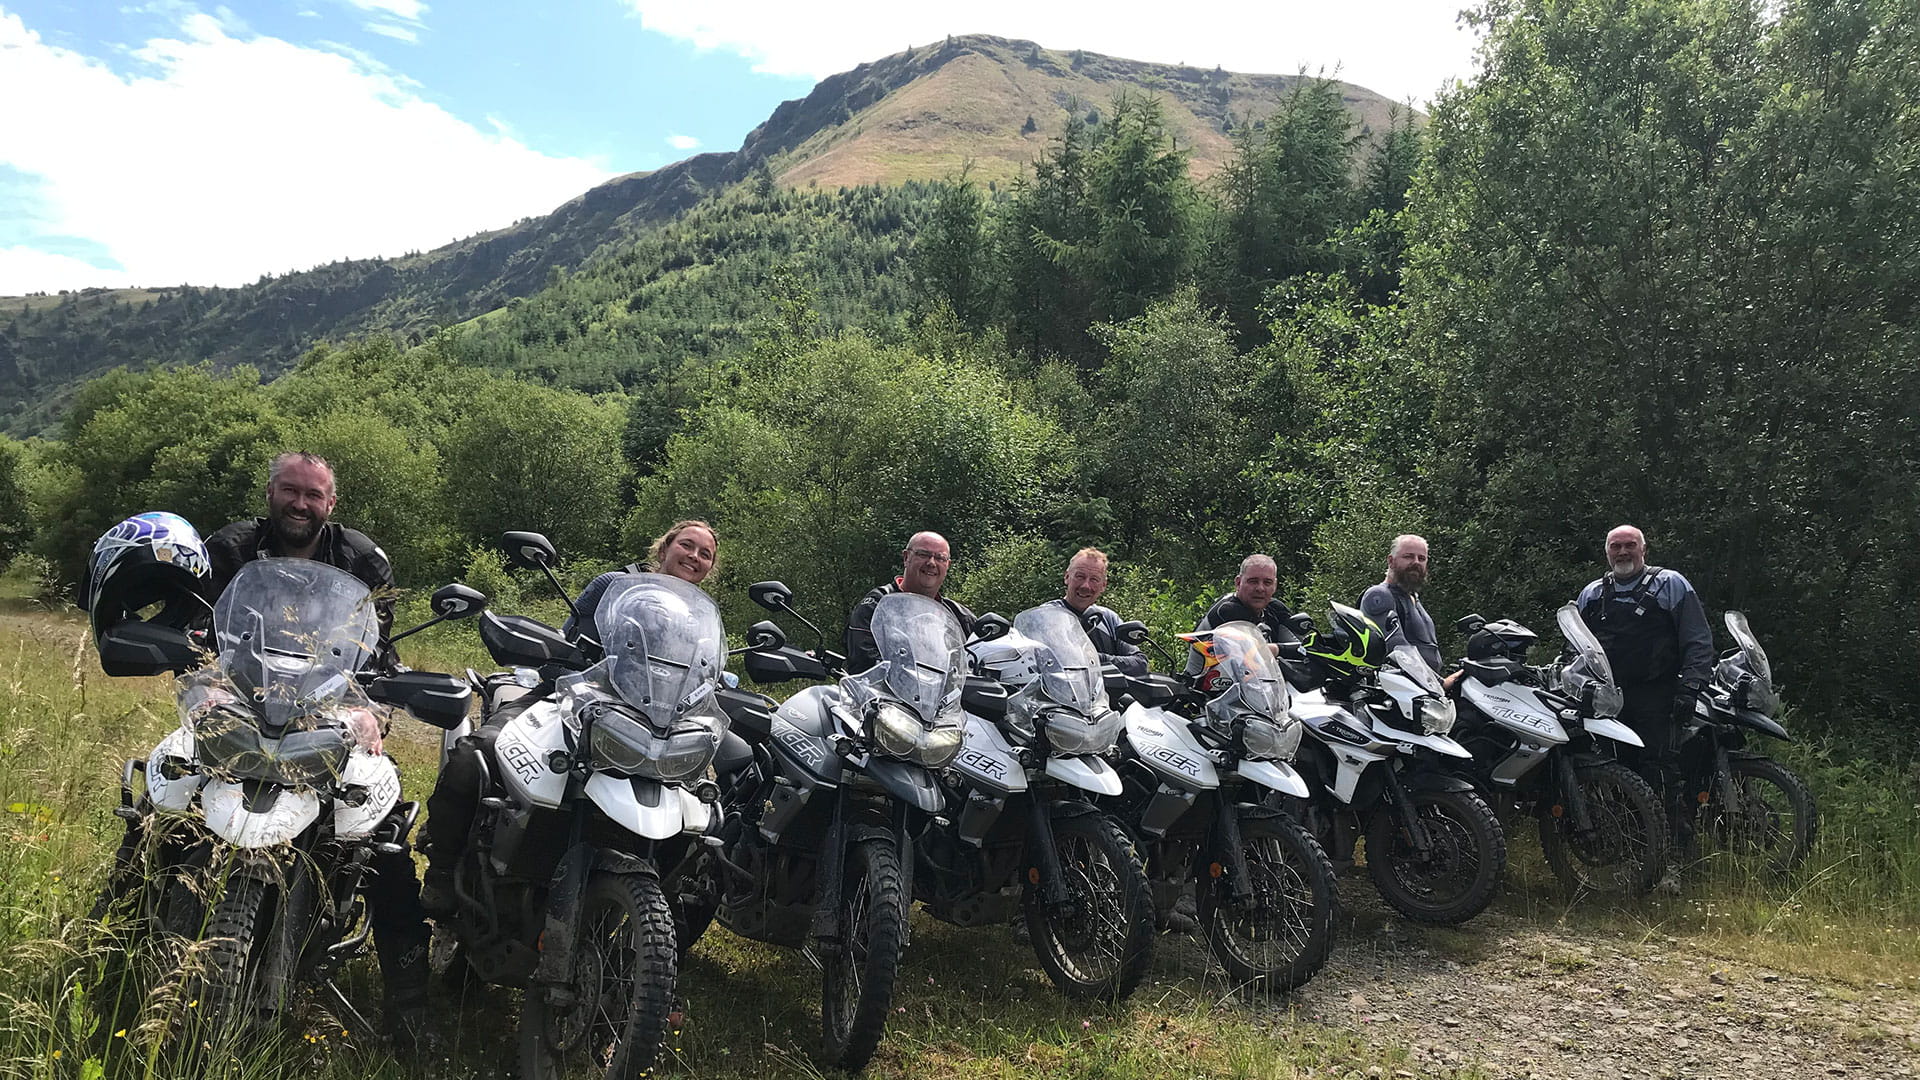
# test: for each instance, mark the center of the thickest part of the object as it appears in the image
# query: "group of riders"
(1648, 619)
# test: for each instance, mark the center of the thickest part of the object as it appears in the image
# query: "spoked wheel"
(856, 985)
(611, 1019)
(1768, 825)
(1098, 943)
(1281, 938)
(1625, 852)
(1459, 873)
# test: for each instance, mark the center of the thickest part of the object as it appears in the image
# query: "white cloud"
(25, 269)
(395, 31)
(683, 142)
(229, 158)
(1400, 48)
(410, 10)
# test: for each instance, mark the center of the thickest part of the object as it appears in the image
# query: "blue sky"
(169, 141)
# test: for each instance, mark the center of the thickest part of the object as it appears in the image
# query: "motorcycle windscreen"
(1415, 667)
(1070, 665)
(922, 662)
(665, 647)
(1249, 670)
(1756, 657)
(291, 633)
(1589, 665)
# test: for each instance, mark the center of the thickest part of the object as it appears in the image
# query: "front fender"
(1086, 772)
(1278, 775)
(276, 816)
(1609, 728)
(911, 784)
(1430, 779)
(649, 808)
(1762, 723)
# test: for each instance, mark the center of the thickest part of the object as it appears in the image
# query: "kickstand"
(362, 1029)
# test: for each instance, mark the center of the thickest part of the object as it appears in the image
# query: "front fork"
(1404, 808)
(1571, 793)
(1233, 853)
(1051, 877)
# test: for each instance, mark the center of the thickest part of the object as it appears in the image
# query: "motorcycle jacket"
(862, 653)
(1230, 608)
(1652, 626)
(1100, 623)
(346, 549)
(1401, 614)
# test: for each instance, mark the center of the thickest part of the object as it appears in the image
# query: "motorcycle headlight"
(1436, 714)
(622, 745)
(895, 729)
(940, 746)
(1070, 732)
(1608, 700)
(1265, 740)
(300, 759)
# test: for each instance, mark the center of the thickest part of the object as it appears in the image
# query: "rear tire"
(1461, 873)
(856, 984)
(1099, 945)
(1625, 853)
(624, 969)
(1284, 939)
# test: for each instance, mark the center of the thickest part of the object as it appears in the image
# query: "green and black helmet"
(1351, 643)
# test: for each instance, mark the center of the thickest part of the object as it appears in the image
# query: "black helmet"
(1351, 643)
(147, 560)
(1503, 640)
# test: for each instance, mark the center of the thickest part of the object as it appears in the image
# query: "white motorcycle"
(1545, 740)
(1025, 832)
(592, 796)
(1380, 764)
(1201, 773)
(258, 816)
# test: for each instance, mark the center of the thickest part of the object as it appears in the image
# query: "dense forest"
(1656, 262)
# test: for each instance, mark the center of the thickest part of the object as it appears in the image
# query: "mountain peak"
(995, 103)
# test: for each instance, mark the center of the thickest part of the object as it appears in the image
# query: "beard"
(295, 532)
(1625, 569)
(1411, 578)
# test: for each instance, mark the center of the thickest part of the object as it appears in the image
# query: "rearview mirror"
(1302, 623)
(528, 550)
(1470, 624)
(1131, 632)
(457, 601)
(772, 595)
(990, 626)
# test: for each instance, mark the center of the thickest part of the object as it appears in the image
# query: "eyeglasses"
(928, 556)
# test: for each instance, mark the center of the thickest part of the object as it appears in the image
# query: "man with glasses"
(924, 566)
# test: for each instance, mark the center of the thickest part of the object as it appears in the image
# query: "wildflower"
(56, 1055)
(1085, 1024)
(121, 1034)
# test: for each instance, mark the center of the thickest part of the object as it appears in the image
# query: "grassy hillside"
(921, 115)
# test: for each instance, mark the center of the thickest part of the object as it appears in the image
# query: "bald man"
(1252, 600)
(1654, 630)
(923, 569)
(1395, 602)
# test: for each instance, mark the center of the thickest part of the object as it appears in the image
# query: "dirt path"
(1513, 998)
